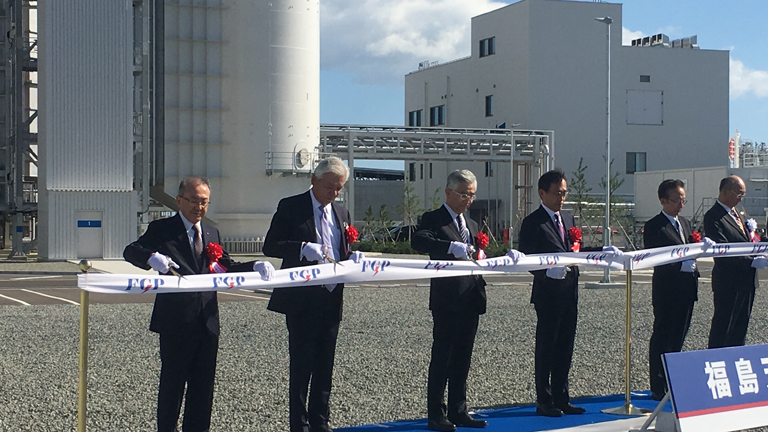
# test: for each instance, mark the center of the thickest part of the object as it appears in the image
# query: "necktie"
(679, 230)
(197, 244)
(325, 236)
(738, 220)
(462, 229)
(325, 232)
(560, 226)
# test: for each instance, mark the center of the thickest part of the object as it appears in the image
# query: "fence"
(242, 246)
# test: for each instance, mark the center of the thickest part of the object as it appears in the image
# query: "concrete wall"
(701, 187)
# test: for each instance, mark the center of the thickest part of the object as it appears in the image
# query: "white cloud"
(628, 35)
(382, 40)
(744, 80)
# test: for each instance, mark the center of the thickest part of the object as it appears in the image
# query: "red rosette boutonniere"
(215, 252)
(482, 241)
(350, 234)
(695, 237)
(575, 235)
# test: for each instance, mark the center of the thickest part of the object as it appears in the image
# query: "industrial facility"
(109, 104)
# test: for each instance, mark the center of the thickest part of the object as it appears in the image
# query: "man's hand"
(760, 262)
(313, 252)
(708, 242)
(515, 255)
(357, 256)
(265, 269)
(613, 250)
(161, 263)
(557, 272)
(460, 250)
(688, 266)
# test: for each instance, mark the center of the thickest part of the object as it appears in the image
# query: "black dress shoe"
(570, 409)
(548, 410)
(441, 424)
(467, 421)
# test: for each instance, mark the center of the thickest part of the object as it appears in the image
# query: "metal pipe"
(82, 389)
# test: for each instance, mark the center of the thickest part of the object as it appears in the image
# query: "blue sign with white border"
(722, 389)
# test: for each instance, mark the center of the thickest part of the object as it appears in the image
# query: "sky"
(368, 46)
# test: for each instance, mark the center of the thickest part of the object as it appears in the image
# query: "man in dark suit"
(307, 229)
(674, 286)
(554, 296)
(188, 323)
(733, 279)
(456, 303)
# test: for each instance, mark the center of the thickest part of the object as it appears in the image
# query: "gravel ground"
(381, 363)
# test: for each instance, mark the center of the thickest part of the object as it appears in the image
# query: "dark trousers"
(453, 337)
(671, 320)
(731, 317)
(555, 334)
(187, 358)
(312, 347)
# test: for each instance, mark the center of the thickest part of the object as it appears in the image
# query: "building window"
(421, 171)
(645, 78)
(414, 118)
(635, 162)
(489, 106)
(489, 169)
(488, 47)
(430, 170)
(437, 115)
(411, 171)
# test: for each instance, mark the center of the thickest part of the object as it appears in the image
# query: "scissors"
(173, 270)
(472, 256)
(329, 259)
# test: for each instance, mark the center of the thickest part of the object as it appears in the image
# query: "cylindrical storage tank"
(294, 82)
(269, 108)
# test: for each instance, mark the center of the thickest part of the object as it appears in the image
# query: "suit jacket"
(292, 225)
(433, 236)
(177, 312)
(735, 273)
(538, 235)
(667, 278)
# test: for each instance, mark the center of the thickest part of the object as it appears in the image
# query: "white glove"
(161, 263)
(357, 256)
(557, 272)
(613, 250)
(515, 255)
(460, 250)
(688, 266)
(760, 262)
(265, 269)
(708, 242)
(313, 252)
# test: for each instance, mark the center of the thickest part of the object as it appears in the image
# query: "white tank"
(242, 98)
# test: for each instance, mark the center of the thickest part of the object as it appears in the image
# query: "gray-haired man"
(307, 229)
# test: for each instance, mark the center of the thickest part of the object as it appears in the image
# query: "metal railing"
(242, 246)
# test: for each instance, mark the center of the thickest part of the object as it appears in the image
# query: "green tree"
(409, 206)
(582, 208)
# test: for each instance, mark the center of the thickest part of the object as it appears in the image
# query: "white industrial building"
(135, 95)
(541, 64)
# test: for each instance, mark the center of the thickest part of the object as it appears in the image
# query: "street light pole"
(607, 224)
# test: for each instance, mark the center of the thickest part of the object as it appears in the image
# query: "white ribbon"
(383, 270)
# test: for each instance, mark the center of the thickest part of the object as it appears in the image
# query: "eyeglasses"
(196, 203)
(678, 201)
(738, 195)
(560, 194)
(465, 197)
